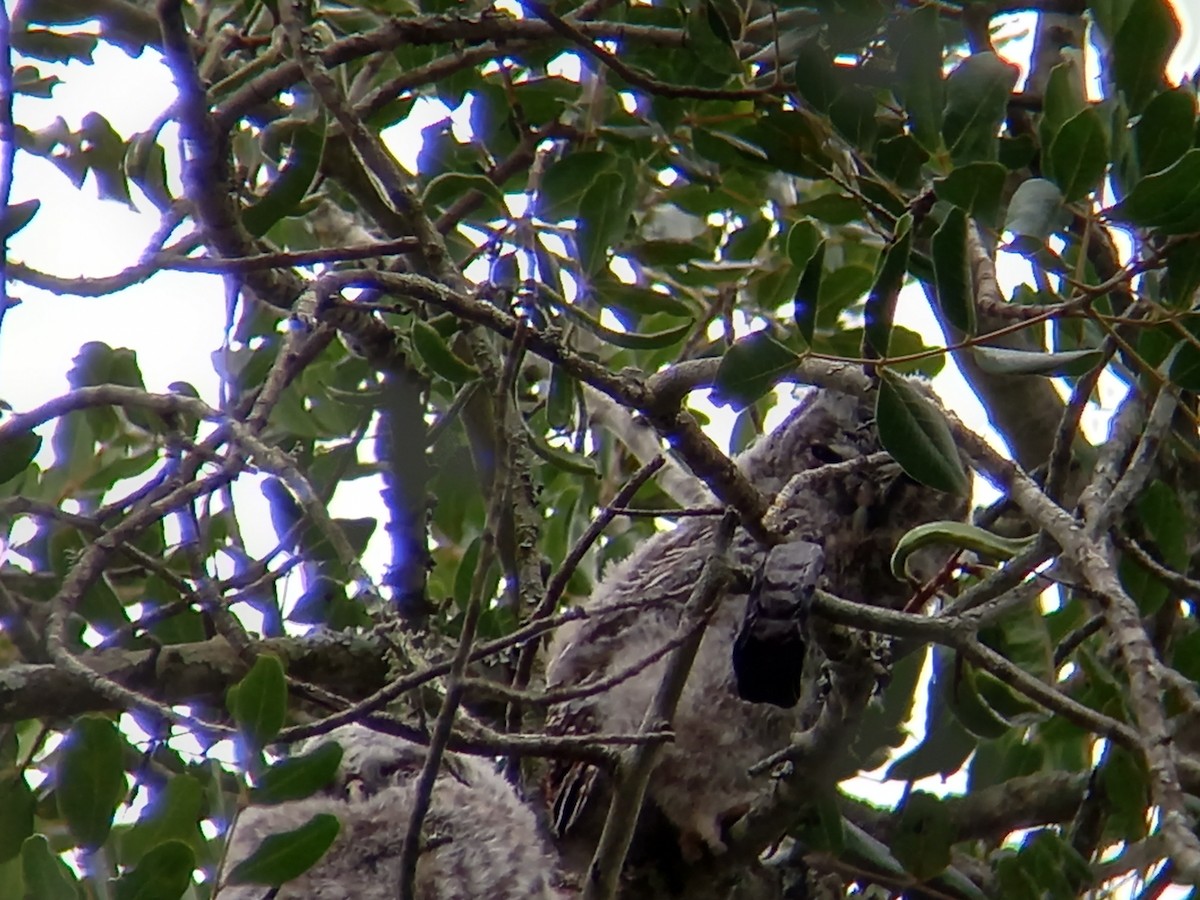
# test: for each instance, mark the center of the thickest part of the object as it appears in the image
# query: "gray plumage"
(480, 840)
(855, 516)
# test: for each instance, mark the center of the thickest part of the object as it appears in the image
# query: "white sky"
(176, 320)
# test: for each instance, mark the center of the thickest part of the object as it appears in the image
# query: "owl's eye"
(825, 454)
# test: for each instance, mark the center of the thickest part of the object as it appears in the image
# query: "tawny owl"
(853, 518)
(481, 840)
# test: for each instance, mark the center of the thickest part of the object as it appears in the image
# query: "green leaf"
(104, 153)
(603, 219)
(1183, 274)
(862, 846)
(437, 355)
(1168, 200)
(1078, 157)
(560, 458)
(1184, 367)
(28, 80)
(745, 242)
(836, 209)
(146, 166)
(282, 857)
(833, 832)
(17, 804)
(889, 278)
(566, 181)
(1035, 212)
(901, 159)
(55, 46)
(16, 453)
(90, 778)
(750, 368)
(1141, 48)
(952, 272)
(956, 681)
(16, 216)
(258, 702)
(917, 39)
(561, 399)
(975, 187)
(977, 94)
(945, 746)
(853, 114)
(1164, 131)
(916, 435)
(165, 873)
(638, 300)
(954, 534)
(449, 187)
(923, 835)
(1162, 518)
(631, 340)
(46, 876)
(291, 185)
(815, 75)
(299, 776)
(806, 301)
(174, 815)
(709, 39)
(1065, 97)
(1006, 361)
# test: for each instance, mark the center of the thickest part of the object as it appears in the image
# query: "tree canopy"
(625, 205)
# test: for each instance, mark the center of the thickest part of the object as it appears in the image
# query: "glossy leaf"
(287, 855)
(975, 188)
(567, 180)
(1079, 155)
(806, 302)
(889, 278)
(1065, 96)
(1006, 361)
(560, 457)
(1184, 366)
(918, 39)
(633, 340)
(960, 535)
(165, 873)
(952, 272)
(299, 776)
(16, 453)
(258, 702)
(46, 876)
(815, 77)
(291, 184)
(1168, 200)
(17, 804)
(750, 368)
(174, 815)
(977, 94)
(603, 220)
(1141, 47)
(923, 835)
(1183, 274)
(17, 216)
(916, 435)
(1165, 129)
(1035, 212)
(89, 780)
(437, 355)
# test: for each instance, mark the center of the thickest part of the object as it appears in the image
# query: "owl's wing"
(768, 652)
